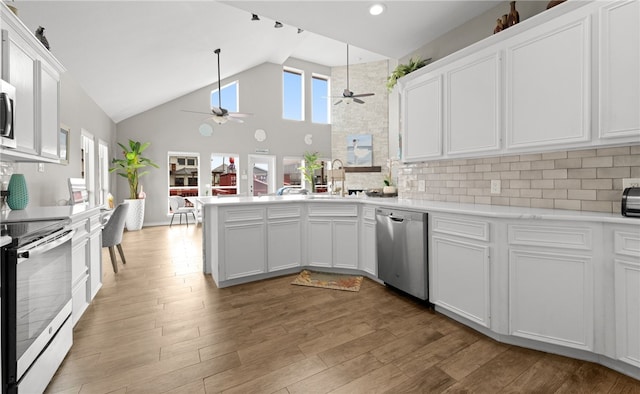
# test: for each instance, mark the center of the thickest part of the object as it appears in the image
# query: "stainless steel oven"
(36, 303)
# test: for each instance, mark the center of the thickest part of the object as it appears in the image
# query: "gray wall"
(78, 111)
(170, 129)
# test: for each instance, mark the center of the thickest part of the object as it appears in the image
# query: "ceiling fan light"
(255, 17)
(377, 9)
(277, 25)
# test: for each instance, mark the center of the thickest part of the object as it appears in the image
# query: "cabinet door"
(548, 84)
(19, 69)
(95, 263)
(319, 242)
(345, 244)
(460, 278)
(284, 244)
(473, 105)
(49, 124)
(244, 249)
(627, 301)
(551, 298)
(422, 119)
(619, 64)
(368, 258)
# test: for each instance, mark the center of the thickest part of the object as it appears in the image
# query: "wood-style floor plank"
(161, 326)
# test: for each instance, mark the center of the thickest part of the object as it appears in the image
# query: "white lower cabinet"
(284, 238)
(626, 265)
(332, 235)
(551, 288)
(368, 254)
(86, 262)
(459, 268)
(244, 243)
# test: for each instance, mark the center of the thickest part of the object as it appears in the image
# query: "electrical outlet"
(630, 182)
(495, 186)
(40, 167)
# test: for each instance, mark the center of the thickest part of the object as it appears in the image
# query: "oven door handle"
(45, 247)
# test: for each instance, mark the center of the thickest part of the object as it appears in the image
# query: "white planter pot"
(389, 190)
(135, 214)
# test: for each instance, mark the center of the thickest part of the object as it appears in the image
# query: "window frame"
(327, 79)
(300, 73)
(186, 187)
(214, 93)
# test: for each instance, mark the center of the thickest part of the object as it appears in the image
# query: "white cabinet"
(619, 62)
(473, 104)
(48, 109)
(332, 235)
(551, 290)
(244, 242)
(35, 73)
(422, 118)
(627, 294)
(548, 71)
(94, 256)
(284, 237)
(459, 266)
(368, 258)
(86, 262)
(19, 68)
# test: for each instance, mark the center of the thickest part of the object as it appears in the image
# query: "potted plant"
(404, 69)
(309, 168)
(129, 167)
(389, 188)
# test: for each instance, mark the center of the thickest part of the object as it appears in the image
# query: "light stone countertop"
(494, 211)
(33, 213)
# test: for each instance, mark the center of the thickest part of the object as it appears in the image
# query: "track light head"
(255, 17)
(277, 25)
(300, 30)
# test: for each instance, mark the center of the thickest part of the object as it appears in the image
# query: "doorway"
(261, 175)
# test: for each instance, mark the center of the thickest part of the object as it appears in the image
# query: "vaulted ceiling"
(130, 56)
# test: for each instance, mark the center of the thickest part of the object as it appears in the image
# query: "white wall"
(78, 111)
(170, 129)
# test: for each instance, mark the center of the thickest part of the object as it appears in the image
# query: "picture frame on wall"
(359, 150)
(63, 144)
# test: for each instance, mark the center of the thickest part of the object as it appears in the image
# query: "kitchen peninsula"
(554, 280)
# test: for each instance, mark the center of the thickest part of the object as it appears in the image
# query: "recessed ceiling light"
(377, 9)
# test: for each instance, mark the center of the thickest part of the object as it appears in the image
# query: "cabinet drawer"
(241, 215)
(461, 227)
(333, 210)
(626, 243)
(292, 211)
(578, 238)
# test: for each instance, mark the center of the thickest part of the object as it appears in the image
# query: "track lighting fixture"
(300, 30)
(277, 25)
(255, 17)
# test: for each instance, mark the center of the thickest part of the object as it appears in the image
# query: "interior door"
(261, 175)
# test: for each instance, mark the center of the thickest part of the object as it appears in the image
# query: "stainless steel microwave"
(7, 107)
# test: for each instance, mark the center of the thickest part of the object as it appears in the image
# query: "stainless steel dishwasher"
(402, 250)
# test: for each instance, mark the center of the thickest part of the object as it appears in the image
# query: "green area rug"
(328, 281)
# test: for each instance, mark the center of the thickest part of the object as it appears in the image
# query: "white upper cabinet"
(548, 84)
(619, 75)
(473, 104)
(35, 73)
(422, 118)
(566, 78)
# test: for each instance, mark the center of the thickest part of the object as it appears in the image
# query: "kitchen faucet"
(337, 175)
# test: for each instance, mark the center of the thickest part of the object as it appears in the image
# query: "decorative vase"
(514, 16)
(554, 3)
(498, 27)
(135, 214)
(18, 195)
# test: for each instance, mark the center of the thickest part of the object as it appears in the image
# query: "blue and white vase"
(18, 195)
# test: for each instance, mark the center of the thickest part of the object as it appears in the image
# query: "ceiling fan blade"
(357, 100)
(239, 114)
(337, 102)
(234, 119)
(196, 112)
(363, 95)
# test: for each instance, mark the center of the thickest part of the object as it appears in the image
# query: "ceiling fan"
(221, 115)
(348, 94)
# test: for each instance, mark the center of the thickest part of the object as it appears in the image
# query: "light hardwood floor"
(160, 325)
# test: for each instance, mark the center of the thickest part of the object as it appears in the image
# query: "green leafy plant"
(404, 69)
(131, 164)
(311, 164)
